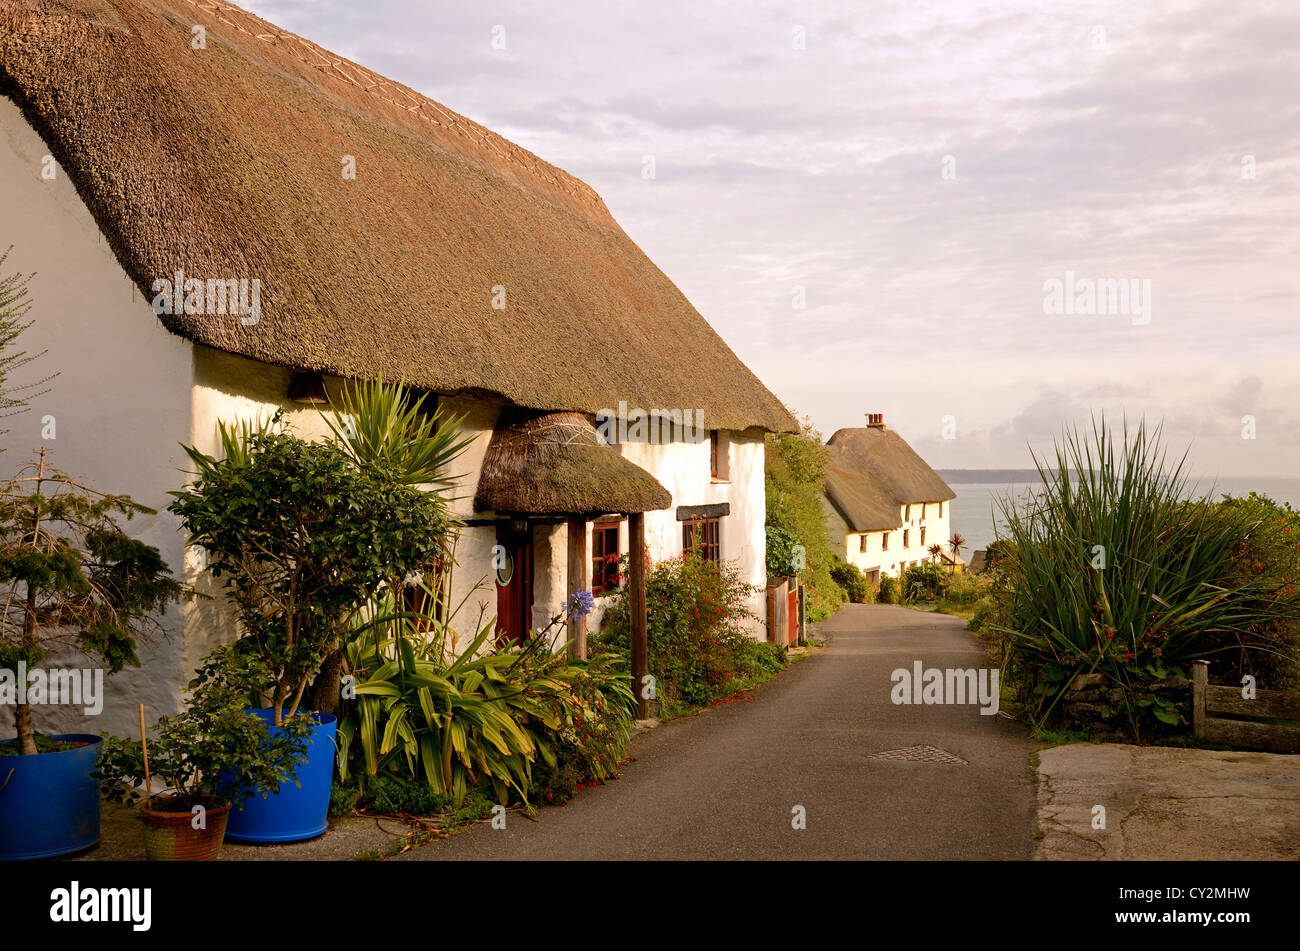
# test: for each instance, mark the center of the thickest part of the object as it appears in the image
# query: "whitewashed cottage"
(884, 506)
(369, 231)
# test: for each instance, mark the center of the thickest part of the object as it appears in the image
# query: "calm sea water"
(975, 511)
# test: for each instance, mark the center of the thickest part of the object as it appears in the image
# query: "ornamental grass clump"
(1115, 569)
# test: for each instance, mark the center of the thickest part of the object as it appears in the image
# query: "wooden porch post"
(636, 602)
(577, 576)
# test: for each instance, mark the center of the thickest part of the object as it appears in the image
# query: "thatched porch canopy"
(555, 464)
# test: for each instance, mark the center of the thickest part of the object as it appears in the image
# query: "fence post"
(1200, 679)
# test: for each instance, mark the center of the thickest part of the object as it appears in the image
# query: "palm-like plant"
(955, 545)
(935, 551)
(389, 425)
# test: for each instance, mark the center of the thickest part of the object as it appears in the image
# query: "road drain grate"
(920, 754)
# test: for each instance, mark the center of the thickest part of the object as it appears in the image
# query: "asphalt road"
(725, 784)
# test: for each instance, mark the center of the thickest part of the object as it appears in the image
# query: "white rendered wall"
(897, 557)
(120, 407)
(683, 469)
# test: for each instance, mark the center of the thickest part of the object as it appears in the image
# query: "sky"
(869, 201)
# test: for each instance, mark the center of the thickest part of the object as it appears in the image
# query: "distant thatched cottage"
(313, 221)
(884, 506)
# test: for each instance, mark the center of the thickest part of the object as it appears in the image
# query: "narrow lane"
(722, 785)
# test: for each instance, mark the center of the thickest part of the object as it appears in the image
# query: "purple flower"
(580, 604)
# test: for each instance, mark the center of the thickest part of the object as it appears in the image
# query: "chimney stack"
(876, 420)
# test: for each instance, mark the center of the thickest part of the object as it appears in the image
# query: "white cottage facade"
(595, 325)
(884, 506)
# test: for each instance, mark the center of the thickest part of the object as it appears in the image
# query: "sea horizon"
(975, 512)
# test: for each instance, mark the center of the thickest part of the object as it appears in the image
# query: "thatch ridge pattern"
(225, 163)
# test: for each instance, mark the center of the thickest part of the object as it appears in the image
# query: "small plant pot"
(171, 836)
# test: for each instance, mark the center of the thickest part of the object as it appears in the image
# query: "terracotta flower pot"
(171, 836)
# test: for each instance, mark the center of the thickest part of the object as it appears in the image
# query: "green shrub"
(1115, 571)
(397, 793)
(923, 582)
(964, 588)
(478, 720)
(1270, 650)
(794, 478)
(854, 583)
(694, 633)
(887, 590)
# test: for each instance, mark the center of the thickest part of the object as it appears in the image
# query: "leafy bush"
(887, 590)
(213, 752)
(1116, 572)
(794, 477)
(1270, 651)
(303, 538)
(964, 588)
(394, 793)
(854, 583)
(697, 645)
(781, 545)
(764, 658)
(923, 582)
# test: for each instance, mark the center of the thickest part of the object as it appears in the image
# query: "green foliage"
(480, 719)
(781, 547)
(303, 538)
(963, 588)
(72, 577)
(794, 479)
(391, 793)
(1270, 554)
(694, 628)
(887, 590)
(998, 557)
(1116, 571)
(213, 751)
(390, 427)
(590, 751)
(923, 582)
(854, 583)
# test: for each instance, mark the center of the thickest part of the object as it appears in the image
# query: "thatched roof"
(872, 472)
(555, 464)
(226, 162)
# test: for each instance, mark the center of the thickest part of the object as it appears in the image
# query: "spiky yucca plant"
(1117, 569)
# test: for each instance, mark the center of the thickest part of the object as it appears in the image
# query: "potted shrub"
(70, 578)
(302, 537)
(210, 758)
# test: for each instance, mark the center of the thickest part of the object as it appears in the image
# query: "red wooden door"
(792, 616)
(514, 584)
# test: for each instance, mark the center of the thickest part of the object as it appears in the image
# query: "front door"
(514, 580)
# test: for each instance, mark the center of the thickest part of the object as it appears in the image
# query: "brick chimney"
(876, 420)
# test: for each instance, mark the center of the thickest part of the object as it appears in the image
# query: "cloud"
(1108, 139)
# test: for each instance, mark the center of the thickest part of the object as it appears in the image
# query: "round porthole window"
(505, 569)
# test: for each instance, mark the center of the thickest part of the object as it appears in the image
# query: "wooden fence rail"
(1208, 699)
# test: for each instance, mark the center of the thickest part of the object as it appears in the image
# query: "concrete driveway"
(725, 784)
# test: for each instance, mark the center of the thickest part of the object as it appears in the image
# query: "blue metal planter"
(49, 803)
(296, 812)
